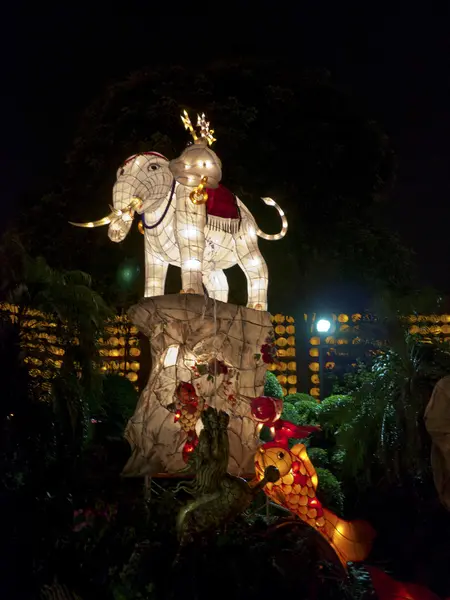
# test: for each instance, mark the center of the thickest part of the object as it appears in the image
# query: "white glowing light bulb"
(323, 325)
(193, 264)
(170, 359)
(189, 232)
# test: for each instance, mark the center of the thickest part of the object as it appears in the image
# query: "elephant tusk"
(115, 213)
(105, 221)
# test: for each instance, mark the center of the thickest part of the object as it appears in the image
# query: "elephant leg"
(216, 284)
(254, 266)
(155, 273)
(190, 236)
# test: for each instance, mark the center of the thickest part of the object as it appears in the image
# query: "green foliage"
(318, 457)
(300, 409)
(290, 413)
(299, 397)
(71, 410)
(307, 411)
(119, 399)
(383, 423)
(329, 413)
(329, 490)
(272, 386)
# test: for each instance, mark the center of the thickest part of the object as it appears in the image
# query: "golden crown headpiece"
(202, 125)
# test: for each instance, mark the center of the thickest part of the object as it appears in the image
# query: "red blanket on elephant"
(222, 211)
(222, 203)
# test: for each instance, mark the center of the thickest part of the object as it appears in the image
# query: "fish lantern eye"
(280, 455)
(153, 167)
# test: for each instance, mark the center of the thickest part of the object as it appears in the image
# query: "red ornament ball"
(266, 409)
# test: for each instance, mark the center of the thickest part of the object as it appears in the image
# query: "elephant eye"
(280, 455)
(153, 167)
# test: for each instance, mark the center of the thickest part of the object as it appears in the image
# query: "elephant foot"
(190, 291)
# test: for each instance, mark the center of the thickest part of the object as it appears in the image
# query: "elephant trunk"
(124, 192)
(125, 203)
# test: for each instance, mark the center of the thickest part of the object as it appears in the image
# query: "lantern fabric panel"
(183, 335)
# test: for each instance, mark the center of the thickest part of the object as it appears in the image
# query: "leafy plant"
(319, 457)
(329, 490)
(299, 397)
(383, 423)
(300, 409)
(330, 410)
(117, 404)
(272, 386)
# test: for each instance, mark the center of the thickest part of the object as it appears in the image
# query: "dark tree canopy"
(291, 135)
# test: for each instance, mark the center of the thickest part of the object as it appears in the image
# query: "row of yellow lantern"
(279, 318)
(330, 340)
(34, 339)
(131, 375)
(428, 319)
(284, 325)
(115, 352)
(288, 391)
(285, 352)
(433, 330)
(283, 366)
(291, 379)
(282, 341)
(124, 329)
(281, 329)
(119, 341)
(343, 318)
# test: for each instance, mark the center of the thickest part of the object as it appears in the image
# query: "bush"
(118, 402)
(331, 411)
(318, 457)
(272, 386)
(300, 409)
(299, 397)
(329, 490)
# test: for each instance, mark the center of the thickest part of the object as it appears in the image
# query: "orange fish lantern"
(188, 406)
(186, 393)
(296, 491)
(266, 410)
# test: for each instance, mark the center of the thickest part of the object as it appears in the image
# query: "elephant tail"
(284, 223)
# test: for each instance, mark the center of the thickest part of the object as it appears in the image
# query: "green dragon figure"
(218, 496)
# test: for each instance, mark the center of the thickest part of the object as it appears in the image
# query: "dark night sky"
(396, 61)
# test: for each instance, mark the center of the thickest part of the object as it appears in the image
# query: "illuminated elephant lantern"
(191, 221)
